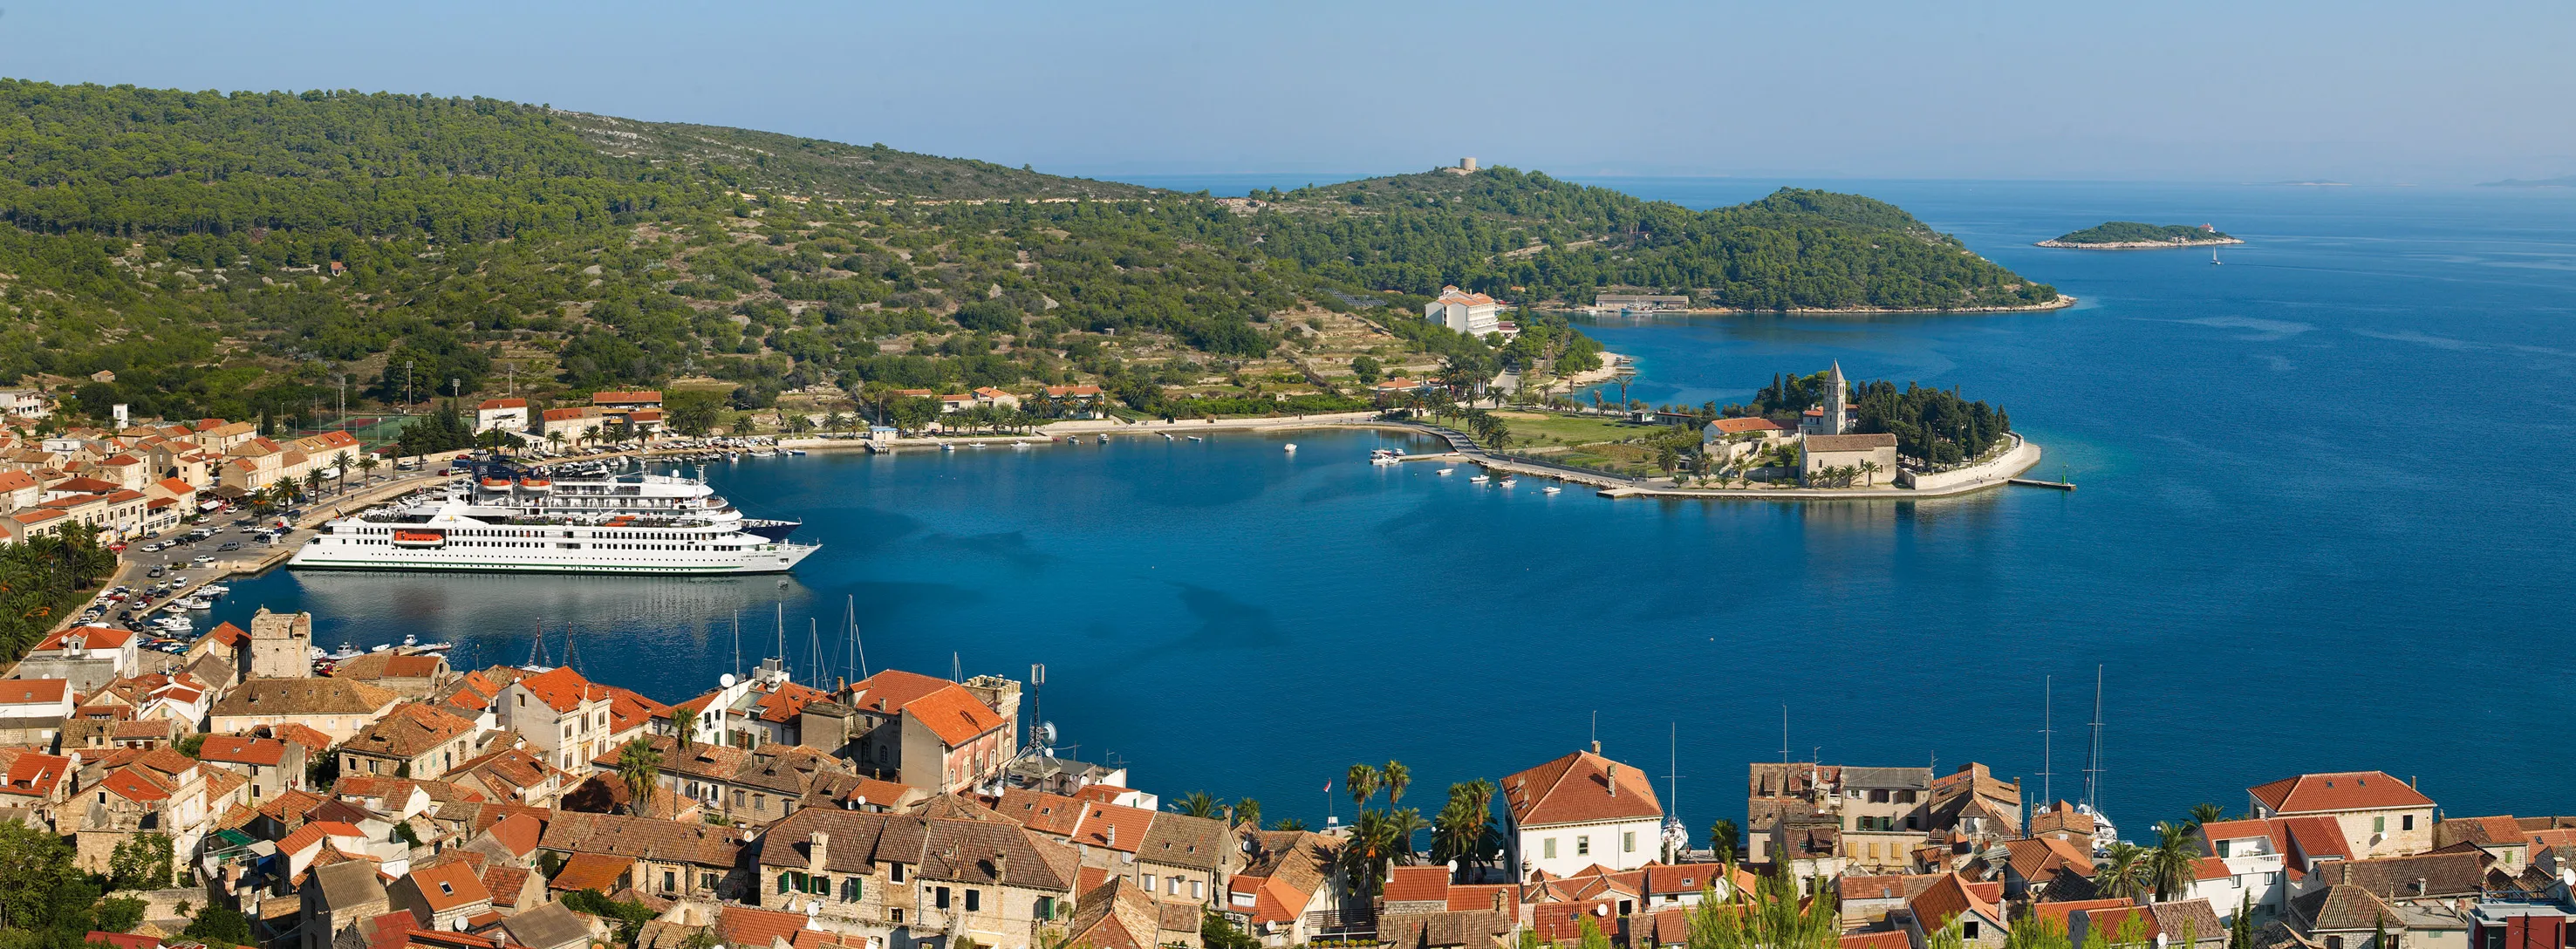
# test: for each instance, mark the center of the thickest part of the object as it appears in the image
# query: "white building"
(25, 403)
(1580, 810)
(509, 415)
(1472, 313)
(2246, 865)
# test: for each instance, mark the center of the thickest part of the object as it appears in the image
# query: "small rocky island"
(2131, 235)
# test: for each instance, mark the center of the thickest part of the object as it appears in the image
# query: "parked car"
(228, 547)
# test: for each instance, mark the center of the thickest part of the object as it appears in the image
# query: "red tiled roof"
(1481, 896)
(505, 883)
(1891, 939)
(560, 688)
(1948, 899)
(888, 691)
(36, 774)
(2234, 829)
(1100, 820)
(235, 749)
(953, 714)
(1427, 884)
(621, 398)
(1738, 426)
(593, 871)
(518, 832)
(2058, 912)
(2337, 791)
(310, 737)
(2314, 837)
(783, 703)
(1577, 788)
(94, 637)
(31, 691)
(745, 926)
(448, 886)
(490, 404)
(2210, 868)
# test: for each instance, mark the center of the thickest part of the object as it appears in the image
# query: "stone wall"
(2011, 463)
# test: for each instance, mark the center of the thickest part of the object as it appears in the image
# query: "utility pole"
(407, 400)
(344, 403)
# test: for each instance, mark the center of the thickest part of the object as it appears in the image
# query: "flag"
(1328, 785)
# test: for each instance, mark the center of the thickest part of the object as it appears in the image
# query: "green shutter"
(782, 882)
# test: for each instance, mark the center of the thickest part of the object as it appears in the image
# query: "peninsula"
(2131, 235)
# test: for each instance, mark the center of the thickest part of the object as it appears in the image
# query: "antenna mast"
(737, 644)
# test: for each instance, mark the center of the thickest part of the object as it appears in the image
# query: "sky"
(2242, 91)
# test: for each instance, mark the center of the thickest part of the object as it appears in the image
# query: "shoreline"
(2063, 301)
(2137, 245)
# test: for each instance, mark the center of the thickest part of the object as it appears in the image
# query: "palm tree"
(2122, 872)
(1362, 783)
(1247, 811)
(688, 731)
(367, 465)
(2169, 864)
(638, 764)
(313, 481)
(344, 461)
(1463, 832)
(1722, 838)
(2206, 813)
(556, 437)
(1196, 804)
(1397, 777)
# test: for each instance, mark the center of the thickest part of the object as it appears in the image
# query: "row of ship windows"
(719, 548)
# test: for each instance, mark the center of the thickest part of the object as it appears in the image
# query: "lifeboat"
(497, 484)
(535, 483)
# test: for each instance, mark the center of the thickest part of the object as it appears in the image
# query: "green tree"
(1247, 811)
(140, 862)
(1367, 369)
(1724, 840)
(1397, 778)
(120, 914)
(1217, 932)
(219, 925)
(639, 765)
(1361, 782)
(2122, 873)
(2206, 813)
(1196, 804)
(2170, 863)
(1770, 915)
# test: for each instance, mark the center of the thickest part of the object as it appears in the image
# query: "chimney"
(1596, 746)
(1001, 868)
(1610, 776)
(815, 852)
(1110, 836)
(2419, 886)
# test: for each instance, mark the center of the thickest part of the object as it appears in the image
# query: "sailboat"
(2213, 257)
(2104, 835)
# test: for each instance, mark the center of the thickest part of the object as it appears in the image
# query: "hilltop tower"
(1837, 402)
(281, 646)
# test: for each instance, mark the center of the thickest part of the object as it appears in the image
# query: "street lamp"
(407, 386)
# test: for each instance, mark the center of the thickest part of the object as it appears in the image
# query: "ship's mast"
(2047, 737)
(2093, 759)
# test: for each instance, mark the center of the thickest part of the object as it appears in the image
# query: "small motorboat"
(1167, 436)
(1292, 448)
(1480, 479)
(1448, 471)
(1507, 481)
(947, 447)
(1197, 439)
(1382, 456)
(1552, 489)
(346, 652)
(1104, 439)
(433, 647)
(798, 452)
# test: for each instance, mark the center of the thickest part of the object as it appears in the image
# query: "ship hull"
(764, 562)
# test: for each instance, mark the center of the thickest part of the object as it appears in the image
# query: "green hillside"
(240, 255)
(1527, 236)
(2132, 232)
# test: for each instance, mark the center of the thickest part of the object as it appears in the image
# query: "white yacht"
(505, 519)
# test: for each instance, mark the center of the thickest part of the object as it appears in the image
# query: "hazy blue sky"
(2235, 91)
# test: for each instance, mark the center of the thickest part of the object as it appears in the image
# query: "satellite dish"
(458, 923)
(1046, 733)
(725, 680)
(1601, 910)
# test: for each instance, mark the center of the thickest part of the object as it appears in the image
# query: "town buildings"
(1578, 811)
(1472, 313)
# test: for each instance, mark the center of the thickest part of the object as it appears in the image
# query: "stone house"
(670, 859)
(917, 880)
(439, 897)
(1873, 455)
(2380, 815)
(1578, 811)
(418, 677)
(270, 765)
(336, 898)
(414, 740)
(1287, 875)
(337, 708)
(562, 715)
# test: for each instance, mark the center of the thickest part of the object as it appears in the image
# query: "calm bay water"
(2323, 523)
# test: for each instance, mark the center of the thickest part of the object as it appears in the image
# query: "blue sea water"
(2323, 523)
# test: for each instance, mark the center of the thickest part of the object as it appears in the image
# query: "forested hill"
(1523, 235)
(813, 166)
(241, 254)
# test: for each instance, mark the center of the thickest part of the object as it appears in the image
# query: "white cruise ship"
(500, 519)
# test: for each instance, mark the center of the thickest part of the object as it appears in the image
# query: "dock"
(2036, 483)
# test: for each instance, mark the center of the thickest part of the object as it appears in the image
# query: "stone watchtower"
(281, 646)
(1837, 402)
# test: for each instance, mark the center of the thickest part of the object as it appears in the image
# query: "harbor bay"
(2273, 532)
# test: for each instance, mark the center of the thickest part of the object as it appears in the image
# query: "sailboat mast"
(2093, 758)
(2047, 742)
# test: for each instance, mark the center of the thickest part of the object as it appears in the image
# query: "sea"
(2322, 522)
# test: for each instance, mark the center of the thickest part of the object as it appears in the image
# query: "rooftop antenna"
(2093, 759)
(1037, 693)
(2047, 739)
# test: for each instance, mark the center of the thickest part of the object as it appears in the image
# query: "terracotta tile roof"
(560, 688)
(1683, 878)
(2210, 868)
(2420, 876)
(448, 886)
(505, 883)
(2339, 908)
(2314, 838)
(1428, 884)
(303, 697)
(624, 397)
(2337, 791)
(92, 637)
(518, 833)
(1052, 814)
(2059, 912)
(389, 665)
(489, 404)
(1113, 826)
(1948, 898)
(591, 871)
(629, 709)
(2036, 858)
(311, 738)
(889, 691)
(410, 730)
(953, 714)
(35, 775)
(1562, 923)
(227, 635)
(1577, 788)
(784, 702)
(33, 691)
(2218, 830)
(1738, 426)
(745, 926)
(1890, 939)
(2478, 830)
(661, 841)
